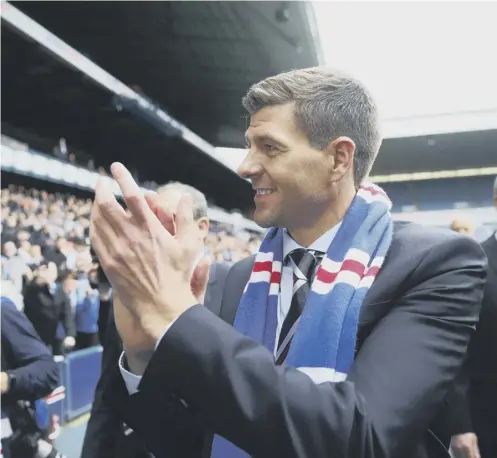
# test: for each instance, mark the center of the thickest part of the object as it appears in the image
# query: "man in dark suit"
(29, 372)
(48, 307)
(313, 138)
(106, 436)
(474, 415)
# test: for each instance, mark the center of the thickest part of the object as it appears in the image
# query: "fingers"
(152, 200)
(185, 223)
(165, 218)
(132, 194)
(106, 204)
(106, 221)
(100, 238)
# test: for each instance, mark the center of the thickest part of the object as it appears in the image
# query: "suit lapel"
(235, 284)
(490, 248)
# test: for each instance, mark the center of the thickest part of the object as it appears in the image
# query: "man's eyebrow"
(266, 136)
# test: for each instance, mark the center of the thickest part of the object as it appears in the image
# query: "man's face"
(463, 227)
(291, 178)
(169, 200)
(12, 221)
(23, 236)
(48, 273)
(36, 251)
(61, 244)
(9, 249)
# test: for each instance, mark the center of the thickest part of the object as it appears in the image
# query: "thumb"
(200, 278)
(164, 217)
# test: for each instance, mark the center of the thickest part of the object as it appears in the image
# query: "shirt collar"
(321, 244)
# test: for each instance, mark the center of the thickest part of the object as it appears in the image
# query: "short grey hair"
(328, 104)
(198, 198)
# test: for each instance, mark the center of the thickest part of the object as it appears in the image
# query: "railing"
(79, 373)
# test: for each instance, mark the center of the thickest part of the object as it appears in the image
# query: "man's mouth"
(263, 191)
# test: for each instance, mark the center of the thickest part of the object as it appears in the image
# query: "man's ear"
(204, 225)
(343, 151)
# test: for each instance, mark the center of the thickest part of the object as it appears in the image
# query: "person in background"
(49, 309)
(9, 290)
(52, 252)
(463, 226)
(24, 252)
(28, 373)
(14, 267)
(36, 256)
(87, 303)
(9, 227)
(474, 419)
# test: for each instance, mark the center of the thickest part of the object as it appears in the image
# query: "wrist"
(136, 362)
(154, 323)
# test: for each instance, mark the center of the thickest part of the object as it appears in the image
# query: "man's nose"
(250, 167)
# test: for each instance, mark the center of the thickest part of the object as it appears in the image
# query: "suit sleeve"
(35, 369)
(396, 386)
(104, 425)
(457, 413)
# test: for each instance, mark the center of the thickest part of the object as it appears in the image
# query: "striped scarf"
(323, 346)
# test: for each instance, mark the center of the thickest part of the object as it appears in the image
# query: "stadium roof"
(196, 59)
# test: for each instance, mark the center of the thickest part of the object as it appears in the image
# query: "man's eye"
(270, 148)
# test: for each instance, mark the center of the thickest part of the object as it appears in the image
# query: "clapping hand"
(149, 257)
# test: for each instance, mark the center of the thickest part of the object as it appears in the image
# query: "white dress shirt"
(284, 300)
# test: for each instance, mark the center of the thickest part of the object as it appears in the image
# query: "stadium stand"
(442, 194)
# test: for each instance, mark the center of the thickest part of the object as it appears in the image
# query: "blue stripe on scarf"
(326, 333)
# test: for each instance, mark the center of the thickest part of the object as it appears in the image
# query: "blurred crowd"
(49, 271)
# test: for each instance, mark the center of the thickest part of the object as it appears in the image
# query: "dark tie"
(303, 263)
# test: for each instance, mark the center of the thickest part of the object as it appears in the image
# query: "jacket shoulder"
(422, 240)
(8, 308)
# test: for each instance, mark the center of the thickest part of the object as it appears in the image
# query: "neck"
(326, 217)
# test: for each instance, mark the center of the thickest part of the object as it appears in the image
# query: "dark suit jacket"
(473, 405)
(46, 311)
(105, 434)
(414, 328)
(26, 357)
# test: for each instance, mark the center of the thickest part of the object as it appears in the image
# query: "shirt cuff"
(131, 380)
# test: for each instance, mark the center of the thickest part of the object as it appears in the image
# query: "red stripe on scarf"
(349, 265)
(275, 277)
(375, 191)
(266, 266)
(373, 271)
